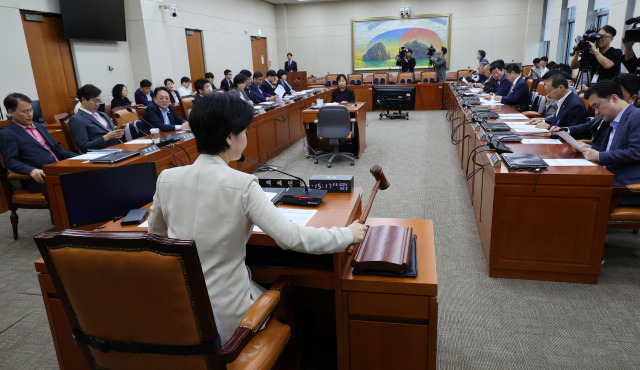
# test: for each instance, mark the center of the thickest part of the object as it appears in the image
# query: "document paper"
(541, 141)
(299, 216)
(568, 162)
(569, 139)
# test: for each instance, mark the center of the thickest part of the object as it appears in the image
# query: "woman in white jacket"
(218, 206)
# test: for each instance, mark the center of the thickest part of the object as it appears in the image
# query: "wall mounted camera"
(172, 7)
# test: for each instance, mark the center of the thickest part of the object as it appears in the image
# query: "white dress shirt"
(183, 91)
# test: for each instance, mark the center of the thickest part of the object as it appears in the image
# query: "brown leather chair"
(428, 77)
(406, 78)
(18, 198)
(60, 116)
(530, 83)
(355, 79)
(380, 78)
(331, 80)
(526, 70)
(64, 125)
(587, 106)
(138, 300)
(621, 217)
(541, 90)
(464, 73)
(125, 117)
(186, 102)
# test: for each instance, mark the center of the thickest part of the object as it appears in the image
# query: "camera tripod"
(586, 68)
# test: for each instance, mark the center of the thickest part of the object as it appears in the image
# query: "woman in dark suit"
(342, 94)
(173, 94)
(282, 81)
(119, 94)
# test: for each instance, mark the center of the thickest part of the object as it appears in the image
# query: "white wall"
(319, 34)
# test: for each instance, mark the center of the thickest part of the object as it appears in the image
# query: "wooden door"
(259, 53)
(52, 66)
(196, 56)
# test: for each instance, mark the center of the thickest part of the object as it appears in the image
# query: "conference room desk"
(269, 134)
(357, 110)
(543, 226)
(428, 95)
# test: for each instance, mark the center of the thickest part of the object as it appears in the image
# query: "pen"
(554, 126)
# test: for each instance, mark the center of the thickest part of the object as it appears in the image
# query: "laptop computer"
(524, 161)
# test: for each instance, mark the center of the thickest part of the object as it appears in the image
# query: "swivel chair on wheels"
(335, 126)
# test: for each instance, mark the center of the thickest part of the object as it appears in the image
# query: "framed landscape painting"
(376, 41)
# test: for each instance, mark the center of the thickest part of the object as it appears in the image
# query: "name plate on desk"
(279, 183)
(149, 149)
(476, 125)
(481, 135)
(495, 160)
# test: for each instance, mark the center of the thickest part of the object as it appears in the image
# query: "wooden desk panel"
(546, 226)
(429, 96)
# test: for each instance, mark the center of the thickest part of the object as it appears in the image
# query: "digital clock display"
(332, 183)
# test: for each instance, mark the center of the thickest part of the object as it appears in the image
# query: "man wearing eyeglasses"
(161, 114)
(90, 128)
(608, 58)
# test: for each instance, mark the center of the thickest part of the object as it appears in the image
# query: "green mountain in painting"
(377, 52)
(420, 50)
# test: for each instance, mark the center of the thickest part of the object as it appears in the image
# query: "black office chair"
(335, 126)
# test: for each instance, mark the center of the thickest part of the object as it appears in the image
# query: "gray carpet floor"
(484, 323)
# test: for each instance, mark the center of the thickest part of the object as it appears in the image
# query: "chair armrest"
(619, 191)
(257, 315)
(531, 114)
(18, 176)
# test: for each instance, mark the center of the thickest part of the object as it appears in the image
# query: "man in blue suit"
(258, 77)
(290, 65)
(518, 96)
(144, 95)
(90, 128)
(161, 114)
(503, 85)
(620, 150)
(571, 110)
(27, 146)
(268, 86)
(227, 81)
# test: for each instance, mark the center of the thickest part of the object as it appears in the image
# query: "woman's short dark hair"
(240, 78)
(280, 73)
(145, 83)
(168, 80)
(444, 50)
(88, 91)
(246, 72)
(482, 53)
(12, 100)
(341, 75)
(200, 84)
(116, 92)
(161, 88)
(215, 117)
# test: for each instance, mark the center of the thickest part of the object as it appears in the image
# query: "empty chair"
(406, 77)
(186, 102)
(355, 79)
(380, 78)
(71, 142)
(428, 77)
(335, 126)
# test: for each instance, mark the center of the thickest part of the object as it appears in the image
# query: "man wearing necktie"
(290, 65)
(620, 149)
(27, 146)
(90, 128)
(518, 96)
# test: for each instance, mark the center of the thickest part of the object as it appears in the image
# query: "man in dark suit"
(161, 114)
(503, 85)
(144, 95)
(290, 65)
(27, 146)
(268, 86)
(203, 87)
(518, 96)
(571, 110)
(210, 77)
(620, 150)
(90, 128)
(258, 77)
(227, 81)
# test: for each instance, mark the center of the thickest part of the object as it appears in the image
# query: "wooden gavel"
(381, 183)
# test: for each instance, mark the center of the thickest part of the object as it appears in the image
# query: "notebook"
(524, 161)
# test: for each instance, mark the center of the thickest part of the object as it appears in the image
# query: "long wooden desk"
(542, 226)
(269, 134)
(357, 110)
(428, 95)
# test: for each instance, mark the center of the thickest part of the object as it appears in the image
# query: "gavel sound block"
(384, 248)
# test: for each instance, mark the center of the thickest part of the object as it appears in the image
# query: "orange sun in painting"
(423, 36)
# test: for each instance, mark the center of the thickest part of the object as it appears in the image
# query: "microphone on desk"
(142, 119)
(297, 196)
(117, 115)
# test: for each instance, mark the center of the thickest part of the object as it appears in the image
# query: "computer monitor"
(100, 195)
(402, 97)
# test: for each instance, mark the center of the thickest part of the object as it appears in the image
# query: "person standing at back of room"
(290, 65)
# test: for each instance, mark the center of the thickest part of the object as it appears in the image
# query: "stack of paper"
(568, 162)
(512, 116)
(298, 216)
(541, 141)
(529, 128)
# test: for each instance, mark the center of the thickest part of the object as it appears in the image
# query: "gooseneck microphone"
(142, 119)
(297, 196)
(117, 115)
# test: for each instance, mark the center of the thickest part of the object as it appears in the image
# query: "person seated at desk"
(282, 81)
(240, 81)
(342, 94)
(227, 82)
(203, 87)
(161, 114)
(483, 78)
(620, 150)
(209, 76)
(570, 108)
(27, 146)
(503, 85)
(144, 95)
(537, 71)
(90, 128)
(518, 96)
(173, 94)
(440, 65)
(119, 93)
(258, 77)
(225, 205)
(268, 86)
(491, 84)
(183, 89)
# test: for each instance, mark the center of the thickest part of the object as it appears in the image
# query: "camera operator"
(440, 64)
(407, 62)
(608, 58)
(630, 61)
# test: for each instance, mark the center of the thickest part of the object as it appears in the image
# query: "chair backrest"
(587, 106)
(186, 102)
(334, 122)
(406, 77)
(331, 80)
(381, 78)
(58, 117)
(540, 89)
(125, 116)
(428, 76)
(132, 287)
(530, 83)
(526, 70)
(464, 73)
(355, 79)
(71, 142)
(542, 104)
